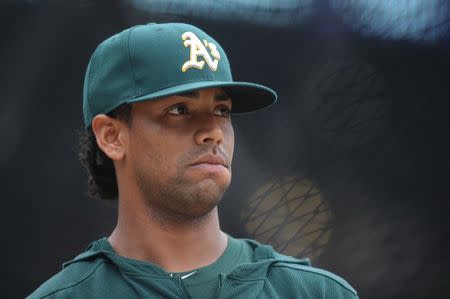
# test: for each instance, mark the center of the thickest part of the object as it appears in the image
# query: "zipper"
(219, 286)
(183, 288)
(179, 282)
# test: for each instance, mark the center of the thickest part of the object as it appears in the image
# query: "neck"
(174, 246)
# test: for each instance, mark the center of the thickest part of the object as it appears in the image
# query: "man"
(157, 102)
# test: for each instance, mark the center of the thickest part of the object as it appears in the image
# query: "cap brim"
(246, 96)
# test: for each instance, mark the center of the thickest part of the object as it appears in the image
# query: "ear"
(111, 135)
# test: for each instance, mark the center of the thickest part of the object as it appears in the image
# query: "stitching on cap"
(87, 86)
(89, 83)
(129, 58)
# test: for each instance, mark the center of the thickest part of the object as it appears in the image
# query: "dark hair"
(102, 181)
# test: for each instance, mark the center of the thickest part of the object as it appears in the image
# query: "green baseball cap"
(146, 62)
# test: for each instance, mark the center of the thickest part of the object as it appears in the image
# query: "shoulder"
(71, 280)
(289, 275)
(314, 278)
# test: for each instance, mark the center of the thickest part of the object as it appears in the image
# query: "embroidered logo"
(199, 51)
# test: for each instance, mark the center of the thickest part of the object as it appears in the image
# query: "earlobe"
(108, 133)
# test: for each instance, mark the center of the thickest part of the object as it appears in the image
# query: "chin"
(204, 197)
(209, 190)
(186, 197)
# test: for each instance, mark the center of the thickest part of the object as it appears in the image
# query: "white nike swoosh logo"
(187, 275)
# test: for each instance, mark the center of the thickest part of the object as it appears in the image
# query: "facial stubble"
(180, 198)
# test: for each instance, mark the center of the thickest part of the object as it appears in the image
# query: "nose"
(209, 133)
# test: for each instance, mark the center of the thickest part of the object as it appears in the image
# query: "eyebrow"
(221, 97)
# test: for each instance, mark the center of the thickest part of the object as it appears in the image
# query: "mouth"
(210, 163)
(212, 160)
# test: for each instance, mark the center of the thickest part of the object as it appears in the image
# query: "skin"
(167, 200)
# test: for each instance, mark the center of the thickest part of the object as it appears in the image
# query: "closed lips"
(211, 159)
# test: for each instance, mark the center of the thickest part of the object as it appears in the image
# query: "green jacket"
(100, 273)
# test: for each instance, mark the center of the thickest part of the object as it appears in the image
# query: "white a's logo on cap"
(200, 49)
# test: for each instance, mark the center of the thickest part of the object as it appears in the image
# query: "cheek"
(228, 132)
(157, 152)
(146, 150)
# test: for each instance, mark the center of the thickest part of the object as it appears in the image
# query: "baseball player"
(157, 101)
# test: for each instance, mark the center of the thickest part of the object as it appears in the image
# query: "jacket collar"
(263, 258)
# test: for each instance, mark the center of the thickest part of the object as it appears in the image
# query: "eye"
(178, 110)
(223, 111)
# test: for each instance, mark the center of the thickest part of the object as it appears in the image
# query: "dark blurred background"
(350, 168)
